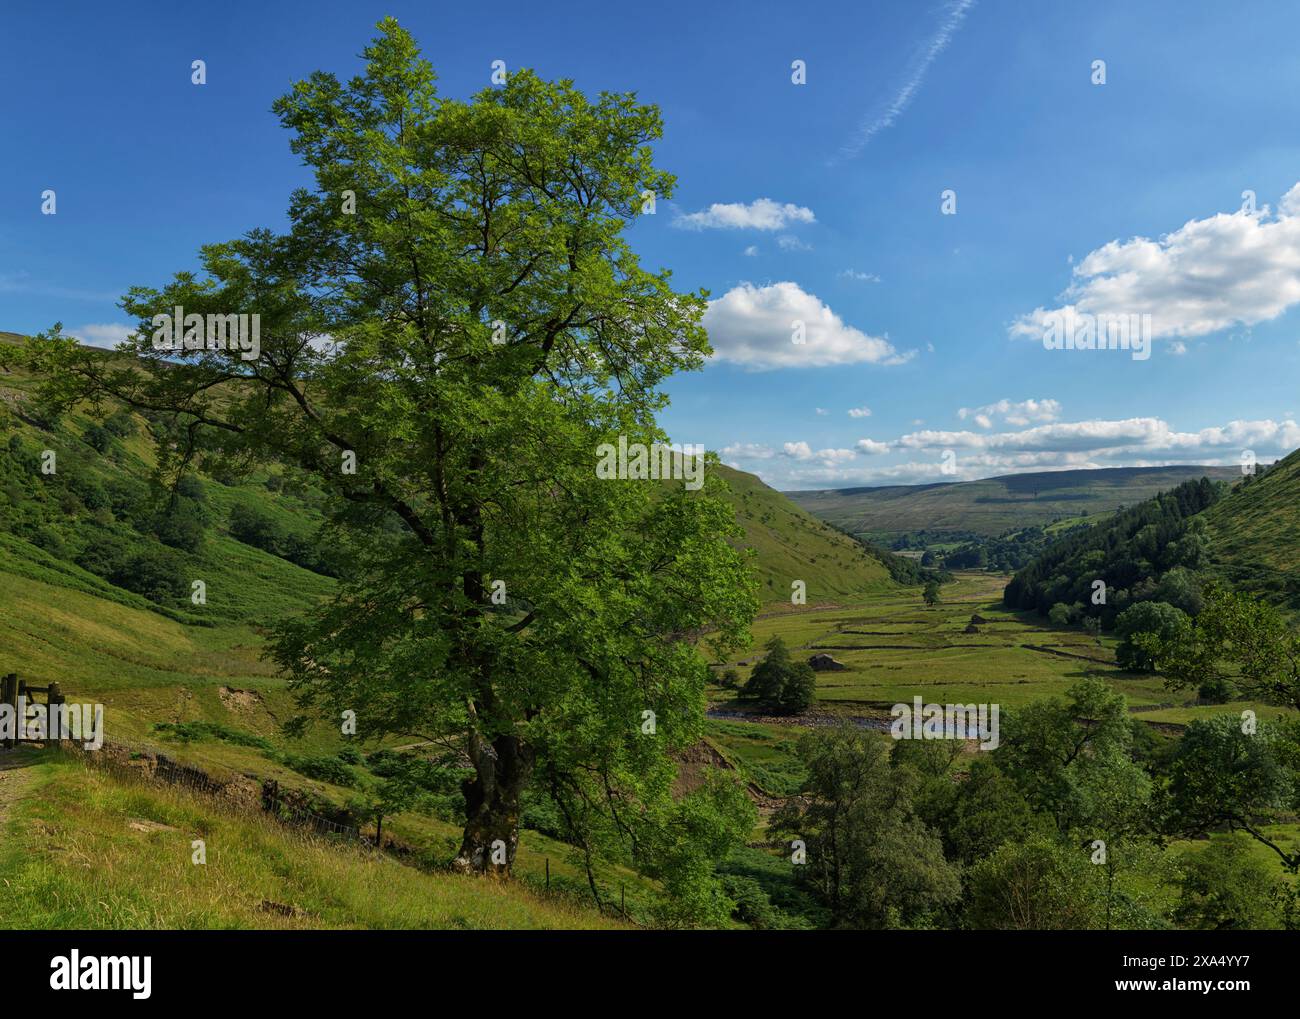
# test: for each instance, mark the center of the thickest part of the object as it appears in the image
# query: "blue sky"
(819, 202)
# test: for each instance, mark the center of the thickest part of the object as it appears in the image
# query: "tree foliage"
(871, 859)
(500, 218)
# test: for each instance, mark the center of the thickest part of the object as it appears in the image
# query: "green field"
(895, 648)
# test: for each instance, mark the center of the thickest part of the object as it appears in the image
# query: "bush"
(258, 529)
(323, 768)
(98, 438)
(1225, 887)
(120, 424)
(1217, 690)
(1036, 883)
(752, 906)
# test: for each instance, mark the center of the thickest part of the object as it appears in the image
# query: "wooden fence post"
(54, 698)
(9, 695)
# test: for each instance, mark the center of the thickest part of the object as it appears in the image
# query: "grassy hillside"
(792, 544)
(1255, 532)
(995, 506)
(83, 850)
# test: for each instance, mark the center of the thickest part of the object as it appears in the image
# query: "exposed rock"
(240, 700)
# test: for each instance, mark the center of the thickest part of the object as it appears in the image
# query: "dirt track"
(14, 778)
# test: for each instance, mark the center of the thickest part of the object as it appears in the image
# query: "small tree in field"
(931, 593)
(780, 684)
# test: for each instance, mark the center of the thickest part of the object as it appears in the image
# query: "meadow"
(894, 648)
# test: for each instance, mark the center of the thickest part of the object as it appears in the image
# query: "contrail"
(954, 15)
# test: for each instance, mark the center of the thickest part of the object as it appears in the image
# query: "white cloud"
(763, 214)
(1132, 442)
(1230, 269)
(861, 277)
(860, 412)
(822, 412)
(104, 334)
(1102, 439)
(788, 242)
(802, 451)
(750, 251)
(747, 451)
(1013, 412)
(754, 326)
(871, 447)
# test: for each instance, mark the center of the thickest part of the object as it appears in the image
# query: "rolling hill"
(994, 506)
(792, 544)
(1254, 532)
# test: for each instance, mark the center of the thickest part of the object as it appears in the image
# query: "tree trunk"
(492, 805)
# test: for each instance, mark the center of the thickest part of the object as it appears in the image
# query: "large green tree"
(1057, 750)
(870, 857)
(1229, 774)
(1238, 641)
(450, 328)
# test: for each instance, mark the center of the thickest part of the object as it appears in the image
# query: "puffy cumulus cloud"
(802, 451)
(754, 326)
(1210, 274)
(763, 214)
(103, 334)
(1014, 412)
(871, 447)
